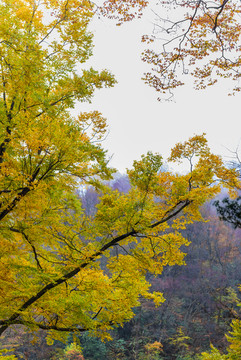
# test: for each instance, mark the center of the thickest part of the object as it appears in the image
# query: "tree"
(72, 352)
(51, 275)
(230, 211)
(44, 152)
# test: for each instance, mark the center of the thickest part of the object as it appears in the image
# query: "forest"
(95, 264)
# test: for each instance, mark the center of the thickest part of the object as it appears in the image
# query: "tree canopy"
(62, 270)
(200, 38)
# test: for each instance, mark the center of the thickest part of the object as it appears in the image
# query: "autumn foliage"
(199, 38)
(61, 269)
(196, 38)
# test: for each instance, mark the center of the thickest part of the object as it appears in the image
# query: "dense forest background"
(200, 301)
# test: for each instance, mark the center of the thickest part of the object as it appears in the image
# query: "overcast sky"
(137, 121)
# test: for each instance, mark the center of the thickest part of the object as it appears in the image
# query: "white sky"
(137, 121)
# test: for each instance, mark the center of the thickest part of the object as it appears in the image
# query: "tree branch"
(19, 196)
(32, 246)
(12, 320)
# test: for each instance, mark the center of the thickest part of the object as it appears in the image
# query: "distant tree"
(72, 352)
(230, 211)
(121, 183)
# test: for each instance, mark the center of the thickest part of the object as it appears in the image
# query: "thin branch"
(220, 11)
(56, 24)
(32, 246)
(19, 196)
(95, 316)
